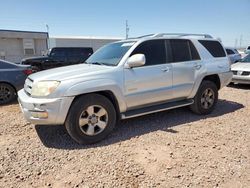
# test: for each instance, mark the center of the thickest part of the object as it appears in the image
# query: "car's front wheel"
(206, 98)
(90, 119)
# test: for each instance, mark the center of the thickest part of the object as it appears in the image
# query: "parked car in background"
(59, 56)
(12, 78)
(241, 71)
(233, 55)
(126, 79)
(247, 51)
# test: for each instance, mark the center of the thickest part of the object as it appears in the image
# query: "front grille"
(245, 73)
(241, 73)
(234, 72)
(28, 86)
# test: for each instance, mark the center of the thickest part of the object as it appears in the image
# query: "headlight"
(44, 88)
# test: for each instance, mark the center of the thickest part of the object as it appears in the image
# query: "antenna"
(127, 29)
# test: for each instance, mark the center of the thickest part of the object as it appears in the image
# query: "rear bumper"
(55, 109)
(225, 78)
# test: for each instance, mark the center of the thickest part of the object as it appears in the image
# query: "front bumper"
(237, 79)
(56, 109)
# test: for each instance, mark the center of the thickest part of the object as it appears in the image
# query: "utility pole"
(127, 29)
(236, 43)
(241, 40)
(47, 28)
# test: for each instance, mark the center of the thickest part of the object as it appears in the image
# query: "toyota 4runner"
(126, 79)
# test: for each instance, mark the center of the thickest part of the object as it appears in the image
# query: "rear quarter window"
(214, 48)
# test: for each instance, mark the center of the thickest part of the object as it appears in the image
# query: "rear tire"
(90, 119)
(205, 99)
(7, 93)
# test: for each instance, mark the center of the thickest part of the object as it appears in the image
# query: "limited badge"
(239, 72)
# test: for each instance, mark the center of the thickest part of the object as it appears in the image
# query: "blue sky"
(227, 19)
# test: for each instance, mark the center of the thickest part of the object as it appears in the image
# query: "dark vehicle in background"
(233, 55)
(58, 57)
(12, 78)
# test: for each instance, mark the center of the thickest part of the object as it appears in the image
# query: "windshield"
(110, 54)
(246, 59)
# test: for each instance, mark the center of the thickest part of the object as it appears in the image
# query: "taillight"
(27, 71)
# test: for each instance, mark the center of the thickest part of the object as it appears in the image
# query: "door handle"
(165, 69)
(197, 66)
(220, 66)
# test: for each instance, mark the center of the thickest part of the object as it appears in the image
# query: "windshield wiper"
(99, 63)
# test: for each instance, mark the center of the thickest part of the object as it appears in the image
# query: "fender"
(98, 85)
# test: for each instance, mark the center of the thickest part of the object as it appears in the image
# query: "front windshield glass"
(110, 54)
(246, 59)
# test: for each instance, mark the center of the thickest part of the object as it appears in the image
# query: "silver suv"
(126, 79)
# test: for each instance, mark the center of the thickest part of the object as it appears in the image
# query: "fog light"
(40, 115)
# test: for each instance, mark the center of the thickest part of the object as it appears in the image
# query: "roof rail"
(176, 34)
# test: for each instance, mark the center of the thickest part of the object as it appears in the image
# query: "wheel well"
(213, 78)
(108, 94)
(2, 82)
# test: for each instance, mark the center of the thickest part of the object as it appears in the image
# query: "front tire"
(90, 119)
(205, 99)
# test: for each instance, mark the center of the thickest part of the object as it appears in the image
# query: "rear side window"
(183, 50)
(153, 50)
(229, 52)
(58, 52)
(214, 48)
(6, 65)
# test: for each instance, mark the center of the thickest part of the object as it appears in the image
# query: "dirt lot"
(169, 149)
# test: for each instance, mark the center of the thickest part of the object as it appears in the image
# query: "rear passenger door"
(186, 65)
(152, 82)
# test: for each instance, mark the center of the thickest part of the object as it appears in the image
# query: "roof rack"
(175, 34)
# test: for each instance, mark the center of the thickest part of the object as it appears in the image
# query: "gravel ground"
(169, 149)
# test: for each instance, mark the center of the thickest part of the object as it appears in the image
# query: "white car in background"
(241, 71)
(233, 55)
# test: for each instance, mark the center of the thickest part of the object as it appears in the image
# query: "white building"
(81, 41)
(16, 45)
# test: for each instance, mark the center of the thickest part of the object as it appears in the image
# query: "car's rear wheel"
(7, 93)
(206, 98)
(90, 119)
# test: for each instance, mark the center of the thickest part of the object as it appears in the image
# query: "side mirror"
(136, 60)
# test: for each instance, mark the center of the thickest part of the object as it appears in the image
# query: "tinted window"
(180, 50)
(229, 52)
(214, 47)
(248, 47)
(58, 52)
(153, 50)
(194, 53)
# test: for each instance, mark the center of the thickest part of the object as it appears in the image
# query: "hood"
(39, 58)
(71, 72)
(241, 66)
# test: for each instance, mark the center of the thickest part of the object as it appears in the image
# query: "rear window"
(6, 65)
(229, 52)
(183, 50)
(214, 48)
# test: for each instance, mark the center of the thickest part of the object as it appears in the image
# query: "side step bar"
(156, 108)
